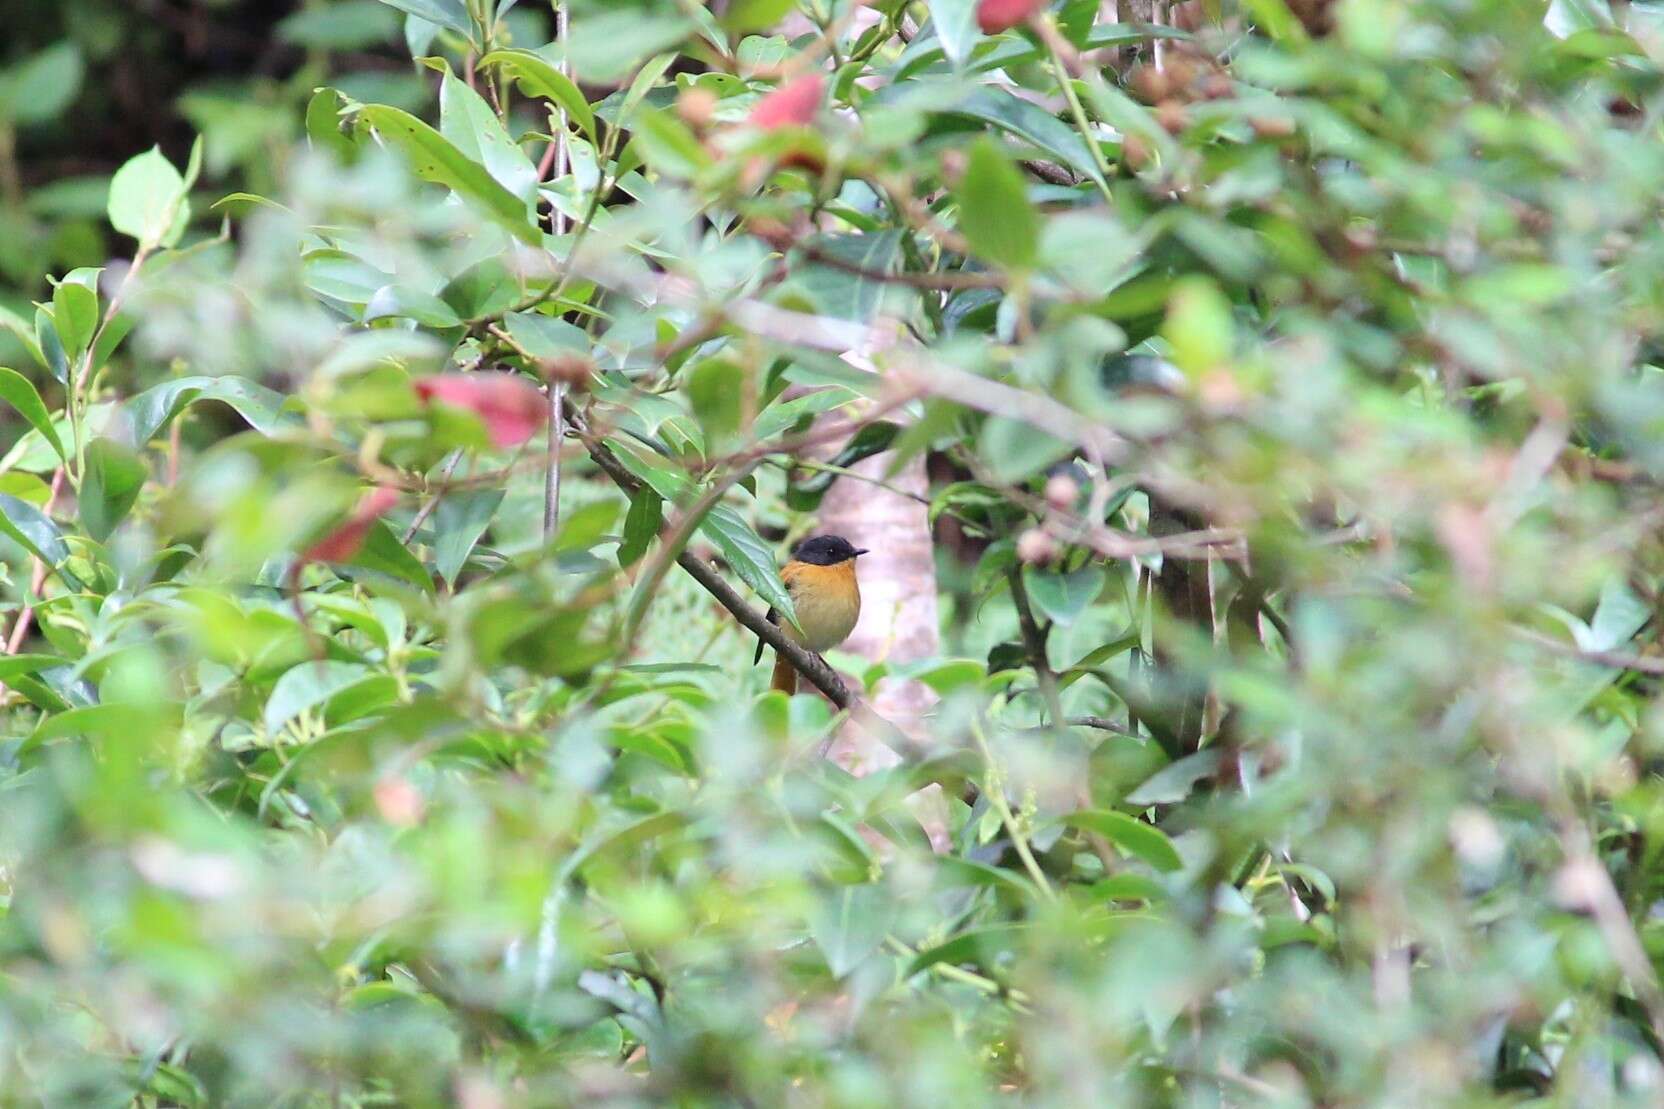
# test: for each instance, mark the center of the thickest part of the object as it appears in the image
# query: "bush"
(1287, 378)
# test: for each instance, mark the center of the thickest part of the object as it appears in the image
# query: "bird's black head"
(826, 550)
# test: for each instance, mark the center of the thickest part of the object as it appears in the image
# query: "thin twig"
(432, 502)
(557, 419)
(961, 279)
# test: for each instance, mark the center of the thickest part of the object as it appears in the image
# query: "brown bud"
(772, 232)
(1189, 16)
(1150, 85)
(1172, 116)
(953, 166)
(1272, 127)
(697, 106)
(1217, 86)
(1062, 491)
(571, 370)
(1036, 547)
(1135, 152)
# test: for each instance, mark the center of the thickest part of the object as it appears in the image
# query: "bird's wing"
(773, 618)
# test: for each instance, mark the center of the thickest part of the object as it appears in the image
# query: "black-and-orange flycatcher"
(821, 580)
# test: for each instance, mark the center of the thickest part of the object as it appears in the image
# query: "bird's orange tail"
(785, 676)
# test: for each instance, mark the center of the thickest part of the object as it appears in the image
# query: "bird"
(820, 578)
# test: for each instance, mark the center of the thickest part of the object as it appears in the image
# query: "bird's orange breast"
(827, 601)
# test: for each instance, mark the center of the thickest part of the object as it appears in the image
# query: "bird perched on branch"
(821, 580)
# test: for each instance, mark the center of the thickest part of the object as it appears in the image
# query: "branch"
(806, 662)
(1034, 642)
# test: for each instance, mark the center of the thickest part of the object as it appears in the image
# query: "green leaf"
(1063, 597)
(17, 391)
(716, 392)
(323, 125)
(546, 336)
(981, 946)
(641, 525)
(12, 666)
(994, 211)
(406, 303)
(40, 87)
(148, 202)
(841, 293)
(20, 329)
(850, 924)
(538, 78)
(1173, 782)
(32, 528)
(458, 522)
(384, 553)
(307, 686)
(1131, 835)
(110, 486)
(1015, 450)
(1199, 330)
(75, 313)
(444, 13)
(669, 145)
(743, 16)
(474, 129)
(609, 42)
(749, 556)
(1033, 125)
(956, 29)
(152, 410)
(434, 158)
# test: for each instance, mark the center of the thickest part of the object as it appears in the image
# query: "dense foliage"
(1289, 379)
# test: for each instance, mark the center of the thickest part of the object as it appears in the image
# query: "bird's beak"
(860, 551)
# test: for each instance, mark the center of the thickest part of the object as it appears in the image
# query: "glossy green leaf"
(434, 158)
(539, 78)
(17, 391)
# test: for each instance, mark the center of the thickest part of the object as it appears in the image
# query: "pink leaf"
(793, 104)
(511, 408)
(342, 543)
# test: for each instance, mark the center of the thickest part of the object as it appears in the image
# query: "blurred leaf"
(850, 924)
(109, 486)
(641, 525)
(444, 13)
(956, 29)
(458, 522)
(607, 44)
(38, 88)
(308, 686)
(1063, 597)
(1130, 835)
(1033, 125)
(994, 211)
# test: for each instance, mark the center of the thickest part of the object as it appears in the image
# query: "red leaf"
(512, 409)
(994, 16)
(793, 104)
(342, 543)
